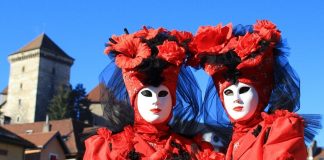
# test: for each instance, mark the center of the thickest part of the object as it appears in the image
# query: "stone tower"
(36, 71)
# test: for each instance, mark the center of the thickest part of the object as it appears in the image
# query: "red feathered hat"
(149, 57)
(230, 58)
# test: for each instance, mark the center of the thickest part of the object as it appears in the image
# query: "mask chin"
(154, 104)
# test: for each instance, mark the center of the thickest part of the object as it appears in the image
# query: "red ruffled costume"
(279, 135)
(144, 140)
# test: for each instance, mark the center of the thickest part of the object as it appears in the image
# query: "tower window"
(7, 120)
(21, 85)
(18, 119)
(19, 102)
(23, 69)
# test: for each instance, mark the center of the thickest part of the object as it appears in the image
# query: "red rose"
(230, 45)
(148, 33)
(212, 39)
(171, 52)
(264, 24)
(247, 44)
(267, 30)
(181, 35)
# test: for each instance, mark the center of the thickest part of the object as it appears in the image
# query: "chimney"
(47, 126)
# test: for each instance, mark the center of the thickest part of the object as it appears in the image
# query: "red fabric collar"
(151, 133)
(157, 133)
(242, 127)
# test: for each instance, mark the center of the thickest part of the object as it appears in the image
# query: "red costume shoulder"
(278, 136)
(286, 136)
(105, 145)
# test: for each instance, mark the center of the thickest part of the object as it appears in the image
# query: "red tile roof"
(69, 130)
(94, 94)
(40, 139)
(43, 42)
(10, 137)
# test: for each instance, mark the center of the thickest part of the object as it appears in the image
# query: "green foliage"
(60, 106)
(70, 103)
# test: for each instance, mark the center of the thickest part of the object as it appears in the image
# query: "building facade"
(37, 70)
(13, 146)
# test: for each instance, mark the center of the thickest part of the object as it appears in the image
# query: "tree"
(81, 104)
(70, 103)
(60, 106)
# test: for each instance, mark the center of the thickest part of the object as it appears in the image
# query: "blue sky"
(82, 27)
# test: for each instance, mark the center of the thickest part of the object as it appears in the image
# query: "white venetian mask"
(241, 101)
(154, 104)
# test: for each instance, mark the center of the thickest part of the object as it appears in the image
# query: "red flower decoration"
(181, 35)
(148, 33)
(247, 44)
(171, 52)
(117, 40)
(230, 45)
(212, 39)
(131, 51)
(264, 24)
(267, 30)
(129, 62)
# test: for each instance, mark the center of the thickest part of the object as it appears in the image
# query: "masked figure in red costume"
(256, 87)
(149, 63)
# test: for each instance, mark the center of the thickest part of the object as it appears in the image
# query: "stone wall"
(52, 75)
(22, 88)
(34, 77)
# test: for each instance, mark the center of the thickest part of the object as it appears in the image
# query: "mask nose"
(156, 101)
(237, 101)
(237, 98)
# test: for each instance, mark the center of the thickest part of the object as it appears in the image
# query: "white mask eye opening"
(163, 93)
(228, 92)
(244, 89)
(146, 93)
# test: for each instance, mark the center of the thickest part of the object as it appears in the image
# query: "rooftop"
(69, 129)
(94, 94)
(43, 42)
(10, 137)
